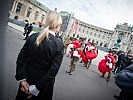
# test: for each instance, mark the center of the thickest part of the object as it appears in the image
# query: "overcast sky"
(102, 13)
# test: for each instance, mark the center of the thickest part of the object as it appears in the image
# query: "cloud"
(102, 13)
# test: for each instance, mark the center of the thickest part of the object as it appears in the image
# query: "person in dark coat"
(26, 28)
(39, 61)
(124, 80)
(120, 62)
(29, 30)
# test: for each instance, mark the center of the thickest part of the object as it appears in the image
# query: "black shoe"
(102, 76)
(24, 39)
(85, 66)
(88, 67)
(68, 71)
(116, 97)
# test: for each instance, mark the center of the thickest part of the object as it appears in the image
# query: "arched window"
(78, 36)
(97, 42)
(18, 8)
(28, 12)
(93, 41)
(89, 40)
(101, 44)
(105, 45)
(94, 34)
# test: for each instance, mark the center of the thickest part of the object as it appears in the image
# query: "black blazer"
(40, 65)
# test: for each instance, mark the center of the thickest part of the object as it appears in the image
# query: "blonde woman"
(39, 61)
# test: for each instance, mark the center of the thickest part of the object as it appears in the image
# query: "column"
(14, 7)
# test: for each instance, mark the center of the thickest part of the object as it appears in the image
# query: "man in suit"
(29, 30)
(26, 28)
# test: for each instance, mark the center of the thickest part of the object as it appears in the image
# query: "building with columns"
(33, 11)
(30, 10)
(124, 32)
(94, 34)
(101, 36)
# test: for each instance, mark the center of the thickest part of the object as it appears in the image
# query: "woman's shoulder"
(59, 40)
(33, 35)
(54, 38)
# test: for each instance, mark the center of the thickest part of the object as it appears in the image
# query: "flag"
(73, 26)
(67, 24)
(77, 27)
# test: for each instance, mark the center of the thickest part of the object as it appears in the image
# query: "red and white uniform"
(105, 65)
(90, 53)
(75, 51)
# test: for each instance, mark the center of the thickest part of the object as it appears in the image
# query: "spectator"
(38, 62)
(124, 80)
(29, 30)
(26, 28)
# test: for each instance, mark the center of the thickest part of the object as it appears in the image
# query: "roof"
(124, 26)
(38, 4)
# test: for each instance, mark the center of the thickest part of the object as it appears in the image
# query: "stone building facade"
(35, 12)
(30, 10)
(101, 36)
(95, 34)
(124, 32)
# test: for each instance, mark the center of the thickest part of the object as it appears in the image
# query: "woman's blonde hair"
(53, 20)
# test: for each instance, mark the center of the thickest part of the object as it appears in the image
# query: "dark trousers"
(27, 34)
(125, 95)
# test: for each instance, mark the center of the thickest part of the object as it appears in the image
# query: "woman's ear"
(58, 27)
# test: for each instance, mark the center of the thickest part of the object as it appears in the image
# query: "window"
(101, 44)
(99, 36)
(42, 17)
(105, 45)
(79, 29)
(93, 41)
(90, 33)
(130, 38)
(83, 30)
(97, 42)
(28, 12)
(89, 40)
(95, 34)
(78, 36)
(19, 6)
(86, 32)
(36, 15)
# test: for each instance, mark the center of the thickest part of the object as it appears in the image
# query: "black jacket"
(124, 79)
(40, 65)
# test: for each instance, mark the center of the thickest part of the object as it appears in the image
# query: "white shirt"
(53, 33)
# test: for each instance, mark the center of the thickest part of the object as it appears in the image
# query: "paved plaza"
(84, 84)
